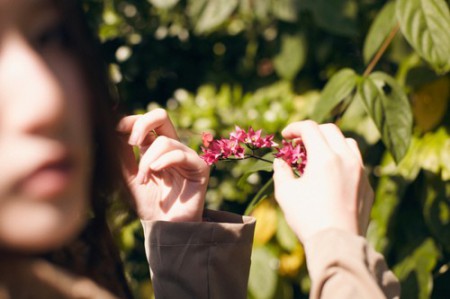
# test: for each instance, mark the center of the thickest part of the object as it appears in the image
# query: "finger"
(126, 124)
(125, 127)
(335, 139)
(159, 147)
(282, 172)
(129, 165)
(315, 143)
(186, 159)
(353, 145)
(156, 120)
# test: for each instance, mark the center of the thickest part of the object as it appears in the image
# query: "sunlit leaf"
(388, 106)
(164, 4)
(339, 87)
(265, 165)
(437, 208)
(260, 9)
(266, 222)
(285, 236)
(379, 30)
(264, 192)
(292, 56)
(425, 24)
(428, 152)
(285, 10)
(445, 161)
(388, 194)
(263, 277)
(356, 119)
(415, 271)
(430, 103)
(207, 15)
(290, 263)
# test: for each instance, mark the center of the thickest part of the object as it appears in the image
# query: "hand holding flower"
(169, 181)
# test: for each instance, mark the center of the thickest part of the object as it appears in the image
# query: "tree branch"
(381, 50)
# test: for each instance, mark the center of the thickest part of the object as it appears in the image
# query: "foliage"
(376, 68)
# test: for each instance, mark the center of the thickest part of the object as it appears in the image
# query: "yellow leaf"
(430, 103)
(290, 263)
(266, 222)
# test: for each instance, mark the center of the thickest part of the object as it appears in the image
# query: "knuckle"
(351, 141)
(160, 113)
(330, 159)
(309, 123)
(329, 126)
(162, 141)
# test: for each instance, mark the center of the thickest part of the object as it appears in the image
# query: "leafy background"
(378, 69)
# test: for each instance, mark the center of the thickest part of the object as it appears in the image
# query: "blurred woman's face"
(44, 130)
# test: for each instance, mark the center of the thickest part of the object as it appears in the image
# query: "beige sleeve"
(342, 265)
(207, 260)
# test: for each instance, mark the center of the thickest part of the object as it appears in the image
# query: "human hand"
(169, 181)
(333, 192)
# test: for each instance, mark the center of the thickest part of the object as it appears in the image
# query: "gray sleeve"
(207, 260)
(342, 265)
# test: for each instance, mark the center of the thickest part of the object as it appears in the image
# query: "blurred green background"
(378, 69)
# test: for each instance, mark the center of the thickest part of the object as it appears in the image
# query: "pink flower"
(254, 138)
(207, 138)
(222, 149)
(294, 154)
(209, 156)
(238, 135)
(268, 141)
(236, 149)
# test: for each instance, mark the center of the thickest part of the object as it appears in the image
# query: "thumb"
(281, 172)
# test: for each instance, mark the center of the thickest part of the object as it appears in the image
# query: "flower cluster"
(294, 154)
(242, 144)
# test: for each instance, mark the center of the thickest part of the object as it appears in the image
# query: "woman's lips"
(48, 181)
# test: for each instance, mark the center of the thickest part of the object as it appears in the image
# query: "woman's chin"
(43, 228)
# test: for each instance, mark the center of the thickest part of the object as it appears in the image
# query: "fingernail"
(134, 138)
(140, 178)
(155, 166)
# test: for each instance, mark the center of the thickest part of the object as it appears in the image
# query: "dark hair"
(94, 253)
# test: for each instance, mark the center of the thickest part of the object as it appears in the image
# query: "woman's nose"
(31, 97)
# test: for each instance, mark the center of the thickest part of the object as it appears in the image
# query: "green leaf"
(337, 16)
(164, 4)
(388, 195)
(356, 120)
(210, 14)
(379, 30)
(259, 165)
(264, 192)
(425, 24)
(285, 236)
(284, 10)
(415, 271)
(260, 9)
(445, 161)
(437, 209)
(339, 87)
(263, 277)
(292, 56)
(428, 152)
(388, 106)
